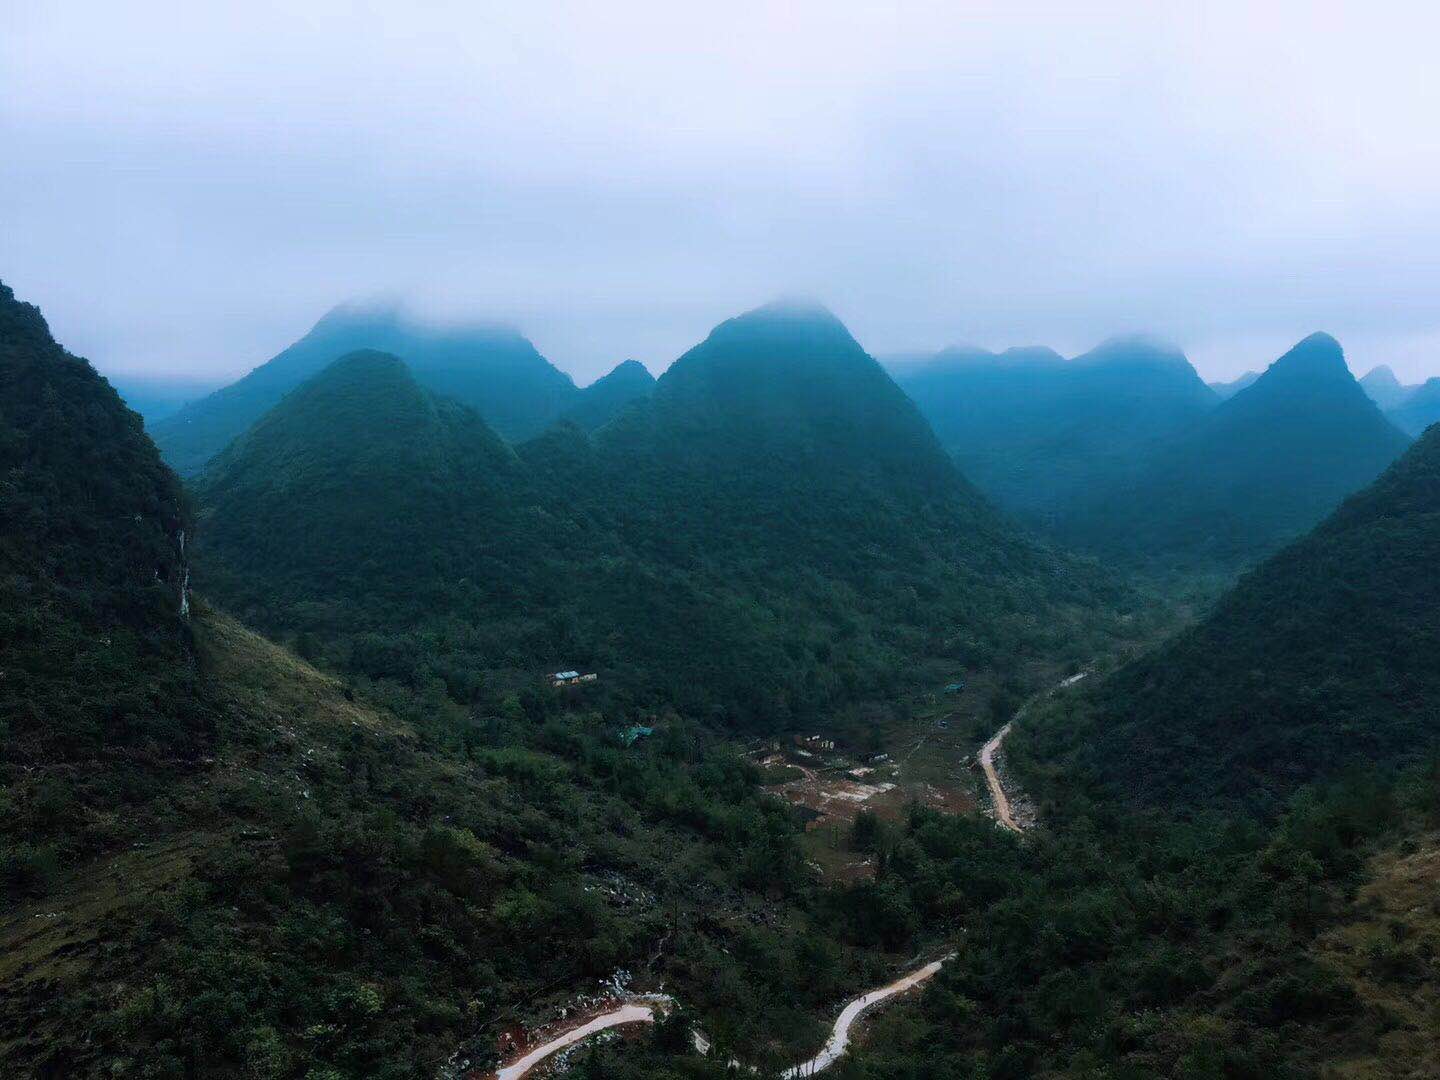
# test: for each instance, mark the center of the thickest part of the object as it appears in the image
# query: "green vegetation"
(220, 860)
(1110, 947)
(606, 397)
(775, 533)
(491, 368)
(1327, 655)
(1260, 470)
(339, 888)
(1041, 434)
(97, 672)
(1125, 452)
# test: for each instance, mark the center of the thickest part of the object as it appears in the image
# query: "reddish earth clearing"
(832, 790)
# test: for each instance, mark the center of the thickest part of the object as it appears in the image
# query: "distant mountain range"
(609, 395)
(1229, 389)
(1257, 471)
(1384, 388)
(759, 533)
(1419, 408)
(1040, 433)
(1126, 452)
(492, 368)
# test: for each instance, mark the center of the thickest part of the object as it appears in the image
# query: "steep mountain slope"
(1420, 409)
(1384, 388)
(773, 532)
(779, 456)
(1224, 390)
(1039, 433)
(491, 368)
(362, 486)
(217, 861)
(93, 568)
(1258, 471)
(602, 400)
(1324, 658)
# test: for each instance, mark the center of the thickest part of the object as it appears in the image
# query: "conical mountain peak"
(1318, 356)
(627, 372)
(786, 324)
(365, 415)
(608, 396)
(368, 364)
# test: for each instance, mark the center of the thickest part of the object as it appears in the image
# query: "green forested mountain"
(1040, 433)
(217, 861)
(1383, 388)
(774, 531)
(1419, 409)
(1259, 470)
(491, 368)
(602, 400)
(93, 571)
(1325, 658)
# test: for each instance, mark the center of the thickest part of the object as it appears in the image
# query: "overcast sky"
(187, 187)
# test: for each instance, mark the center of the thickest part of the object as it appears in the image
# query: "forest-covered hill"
(774, 531)
(218, 861)
(1324, 658)
(492, 368)
(1256, 472)
(1040, 433)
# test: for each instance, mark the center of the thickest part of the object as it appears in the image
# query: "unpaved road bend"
(1003, 812)
(644, 1011)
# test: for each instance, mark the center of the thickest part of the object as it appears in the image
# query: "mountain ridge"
(490, 366)
(1322, 656)
(1038, 433)
(1259, 470)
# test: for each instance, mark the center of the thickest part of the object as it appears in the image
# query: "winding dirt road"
(1003, 813)
(645, 1012)
(839, 1041)
(992, 779)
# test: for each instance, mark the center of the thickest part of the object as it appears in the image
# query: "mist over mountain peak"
(1136, 348)
(1317, 354)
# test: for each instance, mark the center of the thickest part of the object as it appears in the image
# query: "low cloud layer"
(186, 188)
